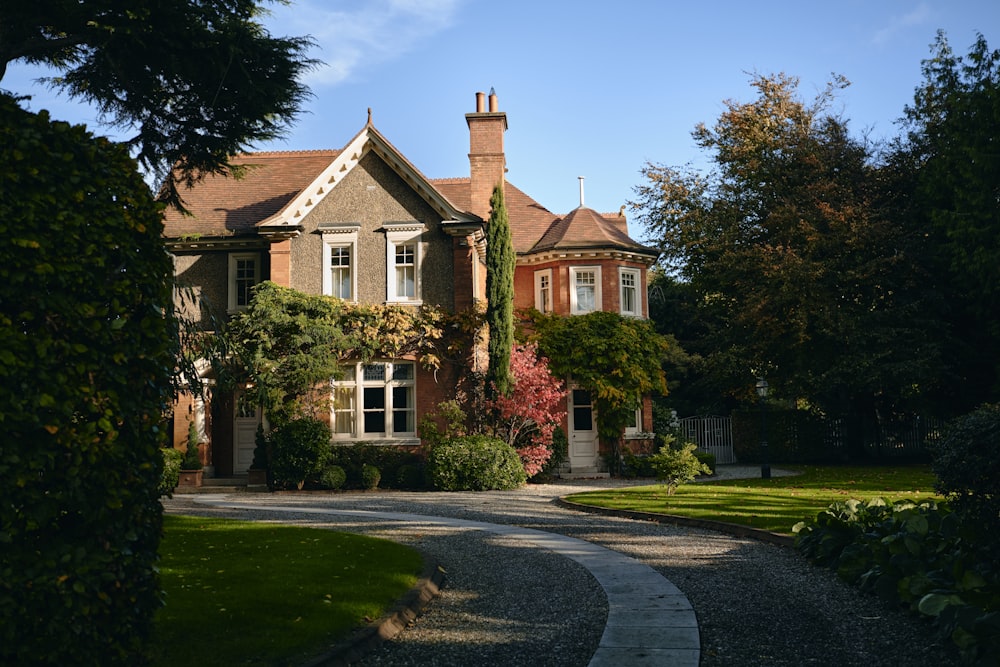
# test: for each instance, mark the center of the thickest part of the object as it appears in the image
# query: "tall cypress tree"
(500, 263)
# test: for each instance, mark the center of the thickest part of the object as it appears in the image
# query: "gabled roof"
(279, 188)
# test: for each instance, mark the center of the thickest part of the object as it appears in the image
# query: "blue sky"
(593, 89)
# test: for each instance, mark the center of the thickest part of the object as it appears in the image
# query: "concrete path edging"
(650, 621)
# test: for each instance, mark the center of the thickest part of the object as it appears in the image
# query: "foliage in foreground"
(86, 360)
(919, 555)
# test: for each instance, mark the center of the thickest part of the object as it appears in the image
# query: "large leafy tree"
(195, 81)
(500, 264)
(952, 153)
(796, 273)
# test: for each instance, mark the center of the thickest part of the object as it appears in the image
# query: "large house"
(364, 224)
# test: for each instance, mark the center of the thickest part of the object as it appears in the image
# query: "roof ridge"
(305, 152)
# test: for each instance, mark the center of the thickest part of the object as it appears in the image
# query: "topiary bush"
(370, 476)
(474, 463)
(87, 351)
(967, 464)
(388, 459)
(300, 451)
(332, 477)
(409, 476)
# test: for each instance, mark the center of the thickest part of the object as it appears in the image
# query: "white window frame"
(397, 234)
(541, 277)
(636, 311)
(353, 387)
(340, 236)
(234, 260)
(574, 273)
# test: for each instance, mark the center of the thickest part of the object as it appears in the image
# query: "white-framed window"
(543, 291)
(584, 289)
(340, 270)
(634, 428)
(375, 400)
(244, 273)
(403, 256)
(629, 294)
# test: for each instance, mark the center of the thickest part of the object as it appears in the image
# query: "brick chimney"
(487, 163)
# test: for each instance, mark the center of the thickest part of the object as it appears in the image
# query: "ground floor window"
(375, 400)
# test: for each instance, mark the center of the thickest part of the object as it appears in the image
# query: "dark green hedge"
(86, 357)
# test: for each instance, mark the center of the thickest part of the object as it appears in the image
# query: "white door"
(244, 434)
(583, 438)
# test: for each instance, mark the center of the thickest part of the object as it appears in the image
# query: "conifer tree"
(500, 263)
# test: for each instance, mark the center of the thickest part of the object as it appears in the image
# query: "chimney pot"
(494, 107)
(480, 102)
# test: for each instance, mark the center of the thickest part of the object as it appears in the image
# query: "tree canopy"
(197, 81)
(795, 269)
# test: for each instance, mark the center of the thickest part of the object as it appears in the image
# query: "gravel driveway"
(503, 604)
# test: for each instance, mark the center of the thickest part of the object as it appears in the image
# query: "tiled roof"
(529, 220)
(586, 228)
(225, 206)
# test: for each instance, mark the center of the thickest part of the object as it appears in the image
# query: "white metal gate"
(712, 434)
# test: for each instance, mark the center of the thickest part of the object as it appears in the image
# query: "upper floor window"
(585, 289)
(403, 257)
(376, 399)
(340, 276)
(543, 291)
(628, 281)
(244, 273)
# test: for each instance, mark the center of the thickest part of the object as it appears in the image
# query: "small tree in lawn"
(527, 418)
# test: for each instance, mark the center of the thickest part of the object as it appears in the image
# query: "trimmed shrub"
(474, 463)
(171, 470)
(409, 476)
(370, 476)
(87, 352)
(386, 458)
(300, 451)
(332, 477)
(967, 463)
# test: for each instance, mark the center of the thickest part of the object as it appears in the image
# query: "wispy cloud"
(362, 34)
(919, 15)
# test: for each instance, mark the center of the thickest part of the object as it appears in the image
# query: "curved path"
(530, 582)
(650, 621)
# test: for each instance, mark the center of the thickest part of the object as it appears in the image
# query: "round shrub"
(370, 476)
(409, 476)
(300, 451)
(332, 477)
(967, 464)
(86, 359)
(474, 463)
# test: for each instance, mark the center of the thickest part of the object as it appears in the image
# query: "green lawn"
(244, 593)
(774, 504)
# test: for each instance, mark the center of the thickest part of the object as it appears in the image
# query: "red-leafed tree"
(527, 418)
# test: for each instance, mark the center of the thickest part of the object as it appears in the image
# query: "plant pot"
(256, 477)
(190, 478)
